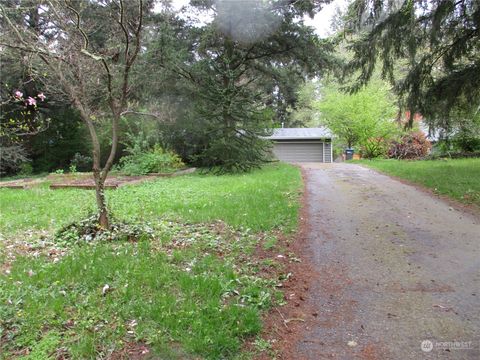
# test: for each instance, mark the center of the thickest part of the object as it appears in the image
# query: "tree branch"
(84, 35)
(116, 111)
(127, 112)
(125, 32)
(31, 50)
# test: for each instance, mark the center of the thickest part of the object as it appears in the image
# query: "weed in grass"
(262, 345)
(270, 263)
(88, 230)
(45, 348)
(270, 242)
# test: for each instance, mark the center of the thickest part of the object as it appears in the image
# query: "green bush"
(465, 142)
(234, 152)
(81, 162)
(25, 169)
(374, 147)
(156, 160)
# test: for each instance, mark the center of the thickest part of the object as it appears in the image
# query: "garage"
(302, 144)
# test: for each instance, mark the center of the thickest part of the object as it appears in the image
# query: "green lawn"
(262, 200)
(191, 288)
(457, 178)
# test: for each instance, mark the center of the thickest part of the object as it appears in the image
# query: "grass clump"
(45, 348)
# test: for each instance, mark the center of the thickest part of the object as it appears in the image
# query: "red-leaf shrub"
(411, 146)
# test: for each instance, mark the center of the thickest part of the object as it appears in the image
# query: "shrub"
(411, 146)
(156, 160)
(465, 142)
(12, 158)
(81, 162)
(207, 141)
(374, 147)
(25, 169)
(234, 153)
(466, 133)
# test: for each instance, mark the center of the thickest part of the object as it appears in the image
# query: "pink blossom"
(31, 101)
(41, 96)
(18, 94)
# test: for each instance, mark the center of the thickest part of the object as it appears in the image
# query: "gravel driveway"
(396, 267)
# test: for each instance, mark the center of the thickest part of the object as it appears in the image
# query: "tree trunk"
(103, 220)
(101, 176)
(98, 177)
(228, 122)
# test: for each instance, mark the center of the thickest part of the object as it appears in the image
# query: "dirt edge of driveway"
(285, 325)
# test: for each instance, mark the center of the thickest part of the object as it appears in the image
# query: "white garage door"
(299, 151)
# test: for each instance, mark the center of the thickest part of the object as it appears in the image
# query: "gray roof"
(300, 133)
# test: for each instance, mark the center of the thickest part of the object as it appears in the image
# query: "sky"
(321, 22)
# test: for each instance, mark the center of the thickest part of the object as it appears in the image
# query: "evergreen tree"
(430, 51)
(246, 62)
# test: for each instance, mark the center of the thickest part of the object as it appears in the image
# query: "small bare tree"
(88, 49)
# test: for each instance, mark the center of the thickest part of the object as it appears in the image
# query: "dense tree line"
(213, 88)
(110, 75)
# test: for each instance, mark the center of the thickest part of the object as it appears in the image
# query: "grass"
(156, 295)
(262, 200)
(183, 290)
(456, 178)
